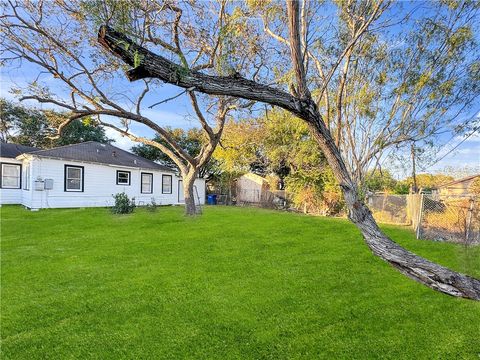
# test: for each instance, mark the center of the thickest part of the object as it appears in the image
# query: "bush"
(152, 207)
(315, 193)
(123, 205)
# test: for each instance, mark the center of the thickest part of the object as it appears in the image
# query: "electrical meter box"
(39, 186)
(48, 184)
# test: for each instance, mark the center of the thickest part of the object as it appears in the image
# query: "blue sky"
(178, 113)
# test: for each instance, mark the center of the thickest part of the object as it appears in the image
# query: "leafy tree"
(427, 182)
(281, 144)
(377, 180)
(26, 126)
(78, 131)
(241, 147)
(192, 140)
(33, 127)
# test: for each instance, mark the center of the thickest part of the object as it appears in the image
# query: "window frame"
(129, 177)
(19, 176)
(171, 184)
(141, 183)
(65, 178)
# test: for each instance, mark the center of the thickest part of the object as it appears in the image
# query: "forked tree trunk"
(155, 66)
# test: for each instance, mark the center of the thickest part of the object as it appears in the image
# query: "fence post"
(419, 219)
(469, 220)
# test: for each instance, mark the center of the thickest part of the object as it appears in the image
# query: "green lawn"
(235, 283)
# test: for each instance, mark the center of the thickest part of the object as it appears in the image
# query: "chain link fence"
(450, 218)
(390, 209)
(433, 217)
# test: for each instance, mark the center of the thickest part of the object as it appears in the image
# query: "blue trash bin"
(212, 199)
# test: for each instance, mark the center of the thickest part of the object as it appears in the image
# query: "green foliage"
(123, 204)
(281, 144)
(137, 59)
(80, 131)
(24, 125)
(117, 13)
(380, 181)
(191, 140)
(241, 146)
(401, 188)
(236, 283)
(428, 182)
(29, 126)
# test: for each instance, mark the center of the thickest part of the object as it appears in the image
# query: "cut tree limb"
(152, 65)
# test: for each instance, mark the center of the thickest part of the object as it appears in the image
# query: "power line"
(452, 149)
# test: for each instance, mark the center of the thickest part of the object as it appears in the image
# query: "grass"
(236, 283)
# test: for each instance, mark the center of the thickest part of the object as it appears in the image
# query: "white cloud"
(119, 141)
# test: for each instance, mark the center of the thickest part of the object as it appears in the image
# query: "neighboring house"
(85, 175)
(461, 187)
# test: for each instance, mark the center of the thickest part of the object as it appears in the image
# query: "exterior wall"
(100, 183)
(11, 196)
(27, 187)
(460, 188)
(250, 188)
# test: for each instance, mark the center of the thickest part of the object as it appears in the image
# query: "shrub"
(123, 205)
(152, 207)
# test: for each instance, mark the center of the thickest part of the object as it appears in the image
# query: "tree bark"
(426, 272)
(188, 181)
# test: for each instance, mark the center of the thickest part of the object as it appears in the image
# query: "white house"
(85, 175)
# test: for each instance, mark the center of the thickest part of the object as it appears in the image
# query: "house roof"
(8, 150)
(92, 151)
(254, 177)
(459, 181)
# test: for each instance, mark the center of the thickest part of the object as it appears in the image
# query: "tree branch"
(156, 66)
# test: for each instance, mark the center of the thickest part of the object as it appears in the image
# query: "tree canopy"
(32, 127)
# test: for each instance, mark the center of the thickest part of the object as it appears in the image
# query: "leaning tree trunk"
(188, 181)
(155, 66)
(424, 271)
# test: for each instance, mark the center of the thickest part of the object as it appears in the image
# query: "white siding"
(10, 196)
(100, 184)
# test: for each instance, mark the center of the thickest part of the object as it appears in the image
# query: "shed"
(252, 189)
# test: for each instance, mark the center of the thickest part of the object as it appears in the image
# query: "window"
(123, 177)
(147, 183)
(11, 176)
(166, 184)
(26, 177)
(73, 178)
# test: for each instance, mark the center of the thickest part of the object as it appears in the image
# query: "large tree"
(56, 38)
(300, 103)
(240, 73)
(409, 80)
